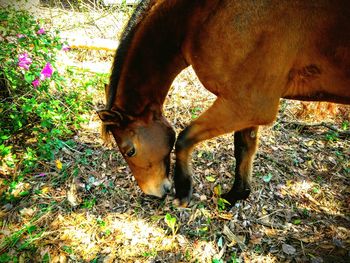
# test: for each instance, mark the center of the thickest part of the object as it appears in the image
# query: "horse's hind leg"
(246, 143)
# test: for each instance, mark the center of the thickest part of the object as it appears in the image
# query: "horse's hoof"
(233, 196)
(231, 201)
(183, 194)
(182, 203)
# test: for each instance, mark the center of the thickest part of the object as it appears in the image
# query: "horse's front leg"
(217, 120)
(182, 175)
(246, 143)
(187, 139)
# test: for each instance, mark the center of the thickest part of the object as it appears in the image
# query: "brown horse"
(249, 53)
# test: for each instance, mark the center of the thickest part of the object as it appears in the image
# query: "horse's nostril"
(166, 188)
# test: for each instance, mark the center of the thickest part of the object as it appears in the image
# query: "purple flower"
(65, 47)
(41, 31)
(36, 83)
(24, 61)
(46, 71)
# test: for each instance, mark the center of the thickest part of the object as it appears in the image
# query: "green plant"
(5, 258)
(150, 254)
(221, 203)
(68, 249)
(171, 222)
(332, 136)
(345, 125)
(234, 258)
(195, 112)
(27, 235)
(89, 203)
(38, 108)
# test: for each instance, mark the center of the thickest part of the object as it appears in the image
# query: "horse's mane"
(120, 55)
(125, 41)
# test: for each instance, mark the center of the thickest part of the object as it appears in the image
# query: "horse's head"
(146, 143)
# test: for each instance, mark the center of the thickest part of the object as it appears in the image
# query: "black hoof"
(235, 195)
(183, 194)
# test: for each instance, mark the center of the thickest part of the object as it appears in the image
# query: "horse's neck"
(154, 59)
(155, 54)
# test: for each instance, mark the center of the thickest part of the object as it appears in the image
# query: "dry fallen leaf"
(255, 239)
(72, 195)
(288, 249)
(27, 212)
(233, 238)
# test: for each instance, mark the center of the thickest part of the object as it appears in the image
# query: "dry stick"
(302, 247)
(322, 124)
(70, 148)
(274, 212)
(280, 164)
(272, 225)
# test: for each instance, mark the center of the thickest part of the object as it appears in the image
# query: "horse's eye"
(131, 152)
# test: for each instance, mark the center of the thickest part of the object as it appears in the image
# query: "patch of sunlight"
(300, 187)
(313, 196)
(204, 251)
(118, 236)
(92, 125)
(260, 258)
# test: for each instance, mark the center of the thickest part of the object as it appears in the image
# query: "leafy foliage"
(38, 108)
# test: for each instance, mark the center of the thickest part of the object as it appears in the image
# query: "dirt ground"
(93, 211)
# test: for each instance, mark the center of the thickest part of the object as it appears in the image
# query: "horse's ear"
(109, 117)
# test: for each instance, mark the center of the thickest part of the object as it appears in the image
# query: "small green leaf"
(24, 193)
(210, 179)
(67, 249)
(5, 137)
(222, 204)
(297, 222)
(171, 222)
(315, 190)
(46, 258)
(29, 77)
(267, 178)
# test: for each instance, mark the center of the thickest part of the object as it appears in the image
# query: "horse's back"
(293, 49)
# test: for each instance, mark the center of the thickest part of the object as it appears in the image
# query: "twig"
(320, 124)
(279, 164)
(274, 212)
(233, 238)
(272, 225)
(302, 247)
(70, 148)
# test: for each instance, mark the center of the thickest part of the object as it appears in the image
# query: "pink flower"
(41, 31)
(65, 47)
(36, 83)
(21, 35)
(46, 72)
(24, 61)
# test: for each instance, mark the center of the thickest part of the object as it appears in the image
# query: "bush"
(37, 111)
